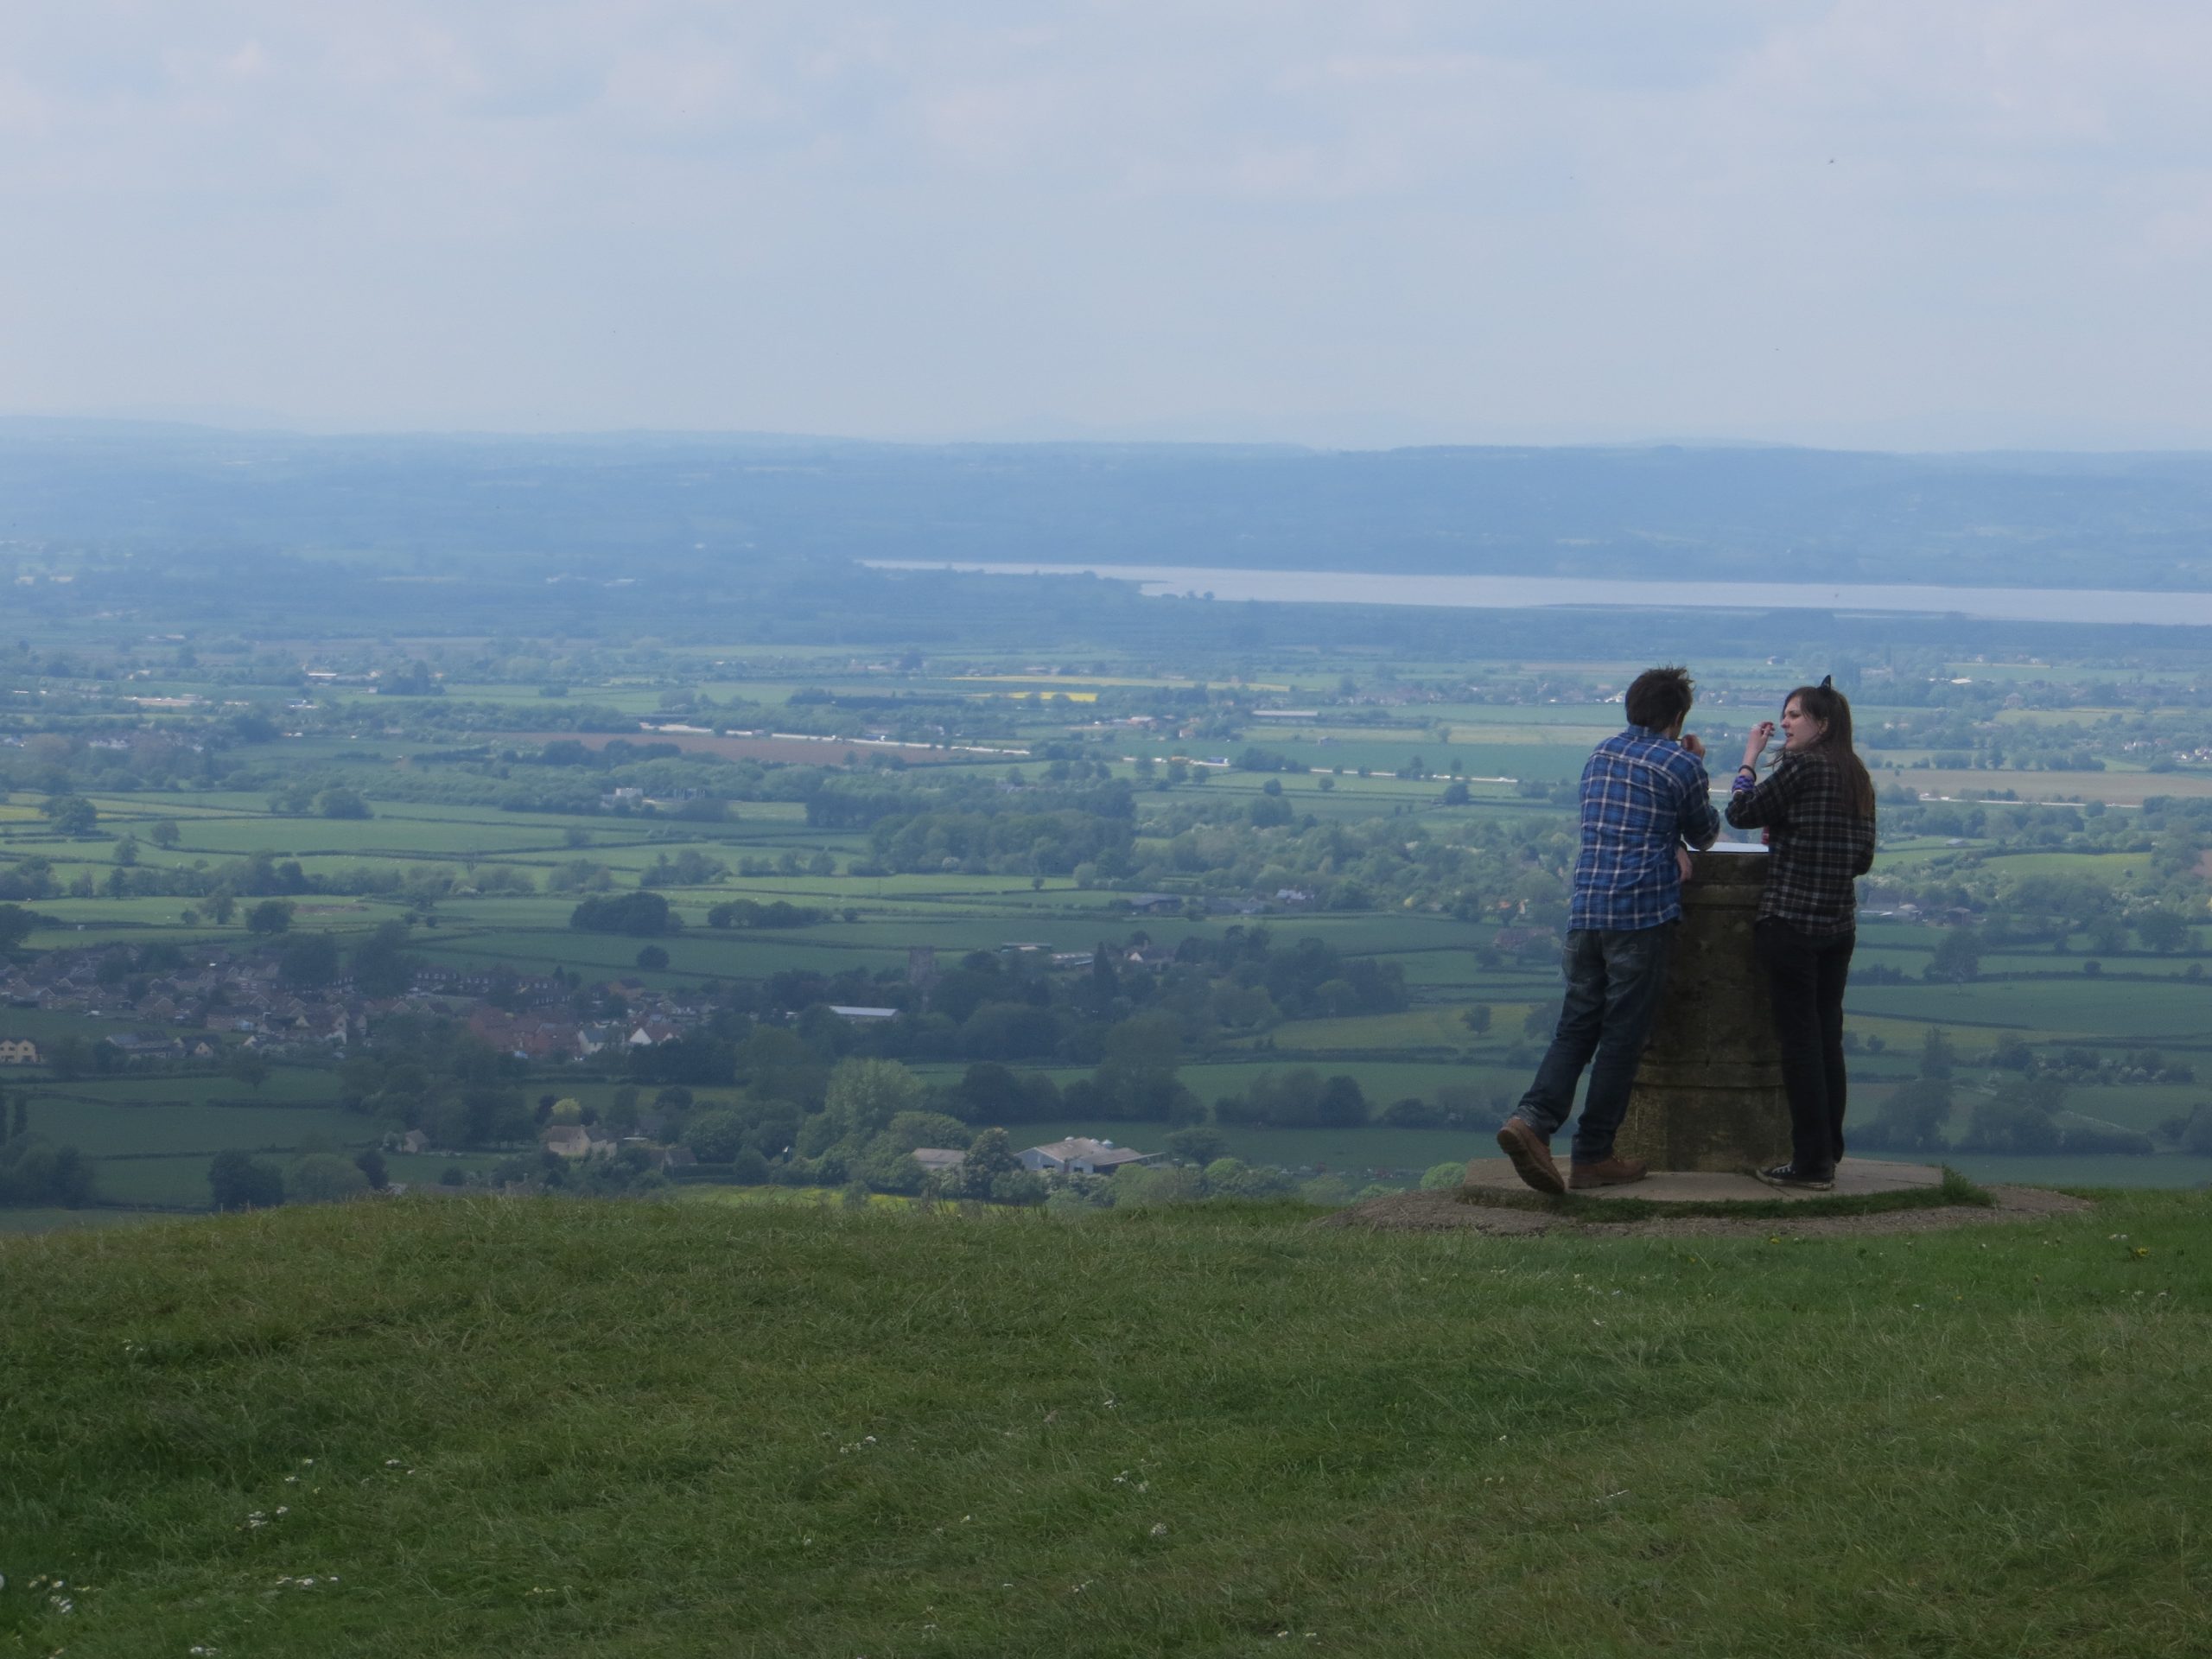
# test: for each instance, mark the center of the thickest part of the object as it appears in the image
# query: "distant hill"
(2102, 520)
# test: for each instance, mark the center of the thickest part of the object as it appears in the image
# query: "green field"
(477, 1427)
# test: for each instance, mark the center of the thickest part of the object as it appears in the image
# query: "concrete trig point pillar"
(1708, 1095)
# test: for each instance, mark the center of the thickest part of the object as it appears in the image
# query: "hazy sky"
(1870, 222)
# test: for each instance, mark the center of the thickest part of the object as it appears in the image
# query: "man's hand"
(1694, 743)
(1682, 862)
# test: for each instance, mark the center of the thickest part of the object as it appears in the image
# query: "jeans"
(1613, 983)
(1805, 976)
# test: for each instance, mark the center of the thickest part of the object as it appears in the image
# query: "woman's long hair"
(1833, 709)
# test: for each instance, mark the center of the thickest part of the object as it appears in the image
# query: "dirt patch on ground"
(1442, 1213)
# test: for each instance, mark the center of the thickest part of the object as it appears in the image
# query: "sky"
(1859, 223)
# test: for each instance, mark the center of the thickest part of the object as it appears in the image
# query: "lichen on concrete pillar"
(1708, 1095)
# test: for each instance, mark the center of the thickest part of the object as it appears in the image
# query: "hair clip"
(1828, 683)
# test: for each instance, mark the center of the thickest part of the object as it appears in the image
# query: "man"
(1645, 794)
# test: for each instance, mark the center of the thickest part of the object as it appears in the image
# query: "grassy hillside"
(544, 1428)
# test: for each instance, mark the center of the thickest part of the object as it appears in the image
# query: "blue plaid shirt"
(1644, 795)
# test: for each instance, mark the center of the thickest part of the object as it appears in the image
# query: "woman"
(1817, 807)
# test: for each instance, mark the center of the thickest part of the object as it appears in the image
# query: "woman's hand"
(1755, 745)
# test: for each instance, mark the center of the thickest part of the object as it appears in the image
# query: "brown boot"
(1532, 1158)
(1613, 1172)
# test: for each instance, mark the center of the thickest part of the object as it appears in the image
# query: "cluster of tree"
(263, 873)
(872, 1117)
(689, 868)
(643, 914)
(751, 912)
(1296, 1099)
(35, 1171)
(435, 1076)
(994, 1007)
(2024, 1114)
(318, 1174)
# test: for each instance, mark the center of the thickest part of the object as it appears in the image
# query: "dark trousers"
(1805, 976)
(1613, 982)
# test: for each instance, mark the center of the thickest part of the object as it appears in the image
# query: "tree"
(652, 959)
(240, 1183)
(325, 1178)
(990, 1157)
(247, 1066)
(371, 1163)
(1913, 1117)
(72, 815)
(310, 963)
(864, 1096)
(641, 914)
(1937, 1056)
(1476, 1019)
(2019, 1118)
(338, 801)
(716, 1137)
(270, 918)
(381, 965)
(164, 833)
(888, 1168)
(221, 904)
(15, 923)
(1342, 1103)
(34, 1171)
(910, 1131)
(68, 1057)
(1198, 1144)
(1957, 957)
(2162, 930)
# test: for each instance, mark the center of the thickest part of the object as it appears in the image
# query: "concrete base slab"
(1490, 1179)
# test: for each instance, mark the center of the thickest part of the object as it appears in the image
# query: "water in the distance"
(1524, 593)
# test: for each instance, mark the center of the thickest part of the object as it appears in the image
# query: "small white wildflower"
(1159, 1529)
(391, 1463)
(283, 1509)
(291, 1480)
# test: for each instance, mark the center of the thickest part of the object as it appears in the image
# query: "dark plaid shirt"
(1818, 842)
(1644, 795)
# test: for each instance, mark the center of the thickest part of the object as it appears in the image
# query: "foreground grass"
(487, 1426)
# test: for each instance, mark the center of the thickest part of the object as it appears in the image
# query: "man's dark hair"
(1659, 697)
